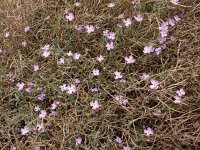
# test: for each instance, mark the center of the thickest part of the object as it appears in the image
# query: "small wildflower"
(180, 92)
(122, 81)
(40, 88)
(138, 17)
(145, 76)
(129, 59)
(154, 84)
(95, 72)
(26, 29)
(120, 16)
(13, 148)
(118, 75)
(110, 5)
(148, 49)
(71, 89)
(69, 16)
(158, 50)
(60, 61)
(100, 58)
(94, 90)
(78, 27)
(121, 100)
(63, 87)
(46, 54)
(111, 35)
(77, 4)
(175, 2)
(37, 108)
(171, 22)
(89, 28)
(127, 148)
(77, 56)
(157, 112)
(20, 85)
(148, 132)
(78, 141)
(178, 99)
(24, 43)
(69, 53)
(110, 46)
(6, 34)
(134, 2)
(161, 40)
(25, 130)
(95, 104)
(118, 140)
(177, 18)
(127, 22)
(36, 67)
(77, 81)
(28, 90)
(40, 127)
(42, 114)
(45, 47)
(41, 97)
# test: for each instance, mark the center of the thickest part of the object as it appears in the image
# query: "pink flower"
(69, 53)
(77, 56)
(148, 132)
(120, 16)
(54, 105)
(118, 75)
(77, 81)
(6, 34)
(134, 2)
(110, 5)
(24, 43)
(63, 87)
(118, 140)
(148, 49)
(180, 92)
(154, 84)
(71, 89)
(26, 29)
(110, 46)
(36, 67)
(138, 17)
(158, 50)
(77, 4)
(127, 148)
(178, 99)
(78, 141)
(111, 35)
(95, 104)
(79, 28)
(20, 85)
(94, 90)
(157, 112)
(69, 16)
(13, 148)
(121, 100)
(42, 114)
(25, 130)
(95, 72)
(40, 127)
(89, 28)
(127, 22)
(45, 47)
(46, 54)
(177, 18)
(100, 58)
(175, 2)
(129, 59)
(145, 76)
(60, 61)
(41, 97)
(171, 22)
(37, 108)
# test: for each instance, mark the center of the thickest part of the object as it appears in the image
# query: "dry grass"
(178, 125)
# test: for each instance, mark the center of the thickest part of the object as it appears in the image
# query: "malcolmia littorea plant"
(100, 75)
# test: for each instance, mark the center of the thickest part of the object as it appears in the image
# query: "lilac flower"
(157, 112)
(177, 18)
(171, 22)
(163, 28)
(77, 56)
(63, 87)
(37, 148)
(60, 61)
(180, 92)
(28, 90)
(127, 148)
(100, 58)
(120, 16)
(148, 132)
(158, 50)
(13, 148)
(178, 99)
(134, 2)
(121, 100)
(6, 34)
(41, 97)
(42, 114)
(46, 54)
(118, 140)
(129, 59)
(20, 85)
(127, 22)
(89, 28)
(154, 84)
(119, 25)
(45, 47)
(36, 67)
(145, 76)
(95, 104)
(26, 29)
(118, 75)
(24, 43)
(25, 130)
(110, 5)
(54, 105)
(40, 127)
(40, 88)
(110, 46)
(69, 53)
(37, 108)
(148, 49)
(138, 17)
(69, 16)
(79, 28)
(71, 89)
(111, 35)
(77, 81)
(77, 4)
(94, 90)
(122, 81)
(95, 72)
(175, 2)
(161, 40)
(78, 141)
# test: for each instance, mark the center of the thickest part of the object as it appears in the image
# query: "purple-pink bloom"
(145, 76)
(161, 40)
(36, 67)
(78, 141)
(178, 99)
(138, 17)
(26, 29)
(89, 28)
(110, 46)
(41, 97)
(95, 104)
(42, 114)
(127, 148)
(118, 140)
(25, 130)
(69, 16)
(154, 84)
(171, 22)
(158, 50)
(148, 49)
(71, 89)
(177, 18)
(180, 92)
(148, 132)
(175, 2)
(127, 22)
(20, 85)
(129, 59)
